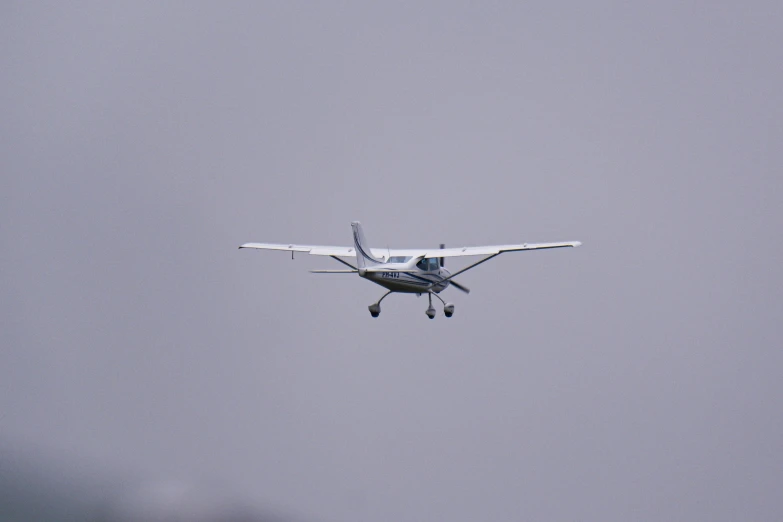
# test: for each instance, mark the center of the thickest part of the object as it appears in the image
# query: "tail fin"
(364, 257)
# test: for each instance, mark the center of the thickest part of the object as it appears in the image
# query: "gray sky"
(635, 378)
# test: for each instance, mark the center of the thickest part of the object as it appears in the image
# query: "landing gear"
(375, 308)
(430, 311)
(448, 308)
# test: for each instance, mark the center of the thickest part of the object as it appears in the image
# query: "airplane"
(410, 271)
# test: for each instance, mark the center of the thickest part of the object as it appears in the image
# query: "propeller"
(453, 282)
(459, 286)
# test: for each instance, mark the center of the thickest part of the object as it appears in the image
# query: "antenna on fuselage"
(442, 259)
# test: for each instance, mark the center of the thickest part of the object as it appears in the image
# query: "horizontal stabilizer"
(334, 271)
(391, 271)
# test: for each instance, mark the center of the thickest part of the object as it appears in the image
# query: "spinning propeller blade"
(459, 286)
(453, 282)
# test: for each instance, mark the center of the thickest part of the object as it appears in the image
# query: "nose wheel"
(448, 308)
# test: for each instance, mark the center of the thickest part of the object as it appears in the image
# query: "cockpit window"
(428, 264)
(399, 259)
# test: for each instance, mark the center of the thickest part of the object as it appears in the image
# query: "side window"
(434, 263)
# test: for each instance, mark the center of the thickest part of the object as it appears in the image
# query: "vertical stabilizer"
(364, 257)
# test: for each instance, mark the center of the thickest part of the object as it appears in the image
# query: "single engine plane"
(408, 271)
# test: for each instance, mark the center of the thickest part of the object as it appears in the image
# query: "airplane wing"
(382, 253)
(490, 252)
(314, 250)
(495, 249)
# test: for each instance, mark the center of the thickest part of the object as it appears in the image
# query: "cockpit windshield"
(428, 264)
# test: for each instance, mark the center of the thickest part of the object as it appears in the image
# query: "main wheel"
(448, 310)
(375, 309)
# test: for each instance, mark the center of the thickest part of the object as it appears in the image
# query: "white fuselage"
(414, 283)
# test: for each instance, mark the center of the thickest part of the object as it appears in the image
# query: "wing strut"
(464, 270)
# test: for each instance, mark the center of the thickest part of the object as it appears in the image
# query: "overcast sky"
(635, 378)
